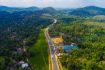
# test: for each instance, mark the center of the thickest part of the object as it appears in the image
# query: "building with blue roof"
(68, 48)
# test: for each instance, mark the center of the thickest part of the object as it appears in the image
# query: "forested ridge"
(18, 30)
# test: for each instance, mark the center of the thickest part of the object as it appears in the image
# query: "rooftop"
(68, 48)
(57, 40)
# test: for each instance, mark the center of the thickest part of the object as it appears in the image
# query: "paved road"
(51, 48)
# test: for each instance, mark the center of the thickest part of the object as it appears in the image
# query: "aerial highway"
(51, 48)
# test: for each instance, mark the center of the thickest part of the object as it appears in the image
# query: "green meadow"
(39, 56)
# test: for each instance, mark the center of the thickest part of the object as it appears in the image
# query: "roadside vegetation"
(39, 53)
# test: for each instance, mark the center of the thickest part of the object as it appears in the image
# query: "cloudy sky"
(53, 3)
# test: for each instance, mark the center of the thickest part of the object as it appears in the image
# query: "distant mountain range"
(47, 10)
(13, 9)
(88, 11)
(35, 10)
(85, 11)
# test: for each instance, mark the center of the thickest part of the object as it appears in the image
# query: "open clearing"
(39, 50)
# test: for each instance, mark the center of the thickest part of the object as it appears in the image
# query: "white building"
(24, 65)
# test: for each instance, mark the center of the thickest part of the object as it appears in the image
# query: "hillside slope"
(88, 11)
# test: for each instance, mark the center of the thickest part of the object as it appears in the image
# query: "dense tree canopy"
(90, 40)
(17, 30)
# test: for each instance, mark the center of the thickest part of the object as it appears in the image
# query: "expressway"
(51, 48)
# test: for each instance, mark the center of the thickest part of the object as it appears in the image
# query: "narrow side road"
(51, 49)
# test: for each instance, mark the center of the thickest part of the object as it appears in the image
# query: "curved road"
(51, 48)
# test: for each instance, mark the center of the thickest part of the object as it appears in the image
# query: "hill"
(13, 9)
(47, 10)
(29, 10)
(88, 11)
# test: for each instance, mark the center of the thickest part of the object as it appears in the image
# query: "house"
(68, 48)
(24, 65)
(21, 62)
(58, 40)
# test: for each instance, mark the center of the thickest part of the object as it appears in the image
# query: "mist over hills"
(13, 9)
(88, 11)
(85, 11)
(32, 10)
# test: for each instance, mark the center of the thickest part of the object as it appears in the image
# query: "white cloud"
(54, 3)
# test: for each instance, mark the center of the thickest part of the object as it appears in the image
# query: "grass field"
(39, 59)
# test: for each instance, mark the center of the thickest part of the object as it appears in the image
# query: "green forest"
(22, 38)
(18, 32)
(89, 36)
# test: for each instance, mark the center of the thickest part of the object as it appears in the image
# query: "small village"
(60, 47)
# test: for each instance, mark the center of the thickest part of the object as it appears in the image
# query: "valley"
(52, 39)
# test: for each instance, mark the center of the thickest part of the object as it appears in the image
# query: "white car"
(52, 56)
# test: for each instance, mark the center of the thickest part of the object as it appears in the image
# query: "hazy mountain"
(12, 9)
(34, 10)
(47, 10)
(31, 9)
(88, 11)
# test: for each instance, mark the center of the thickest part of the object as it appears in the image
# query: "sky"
(53, 3)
